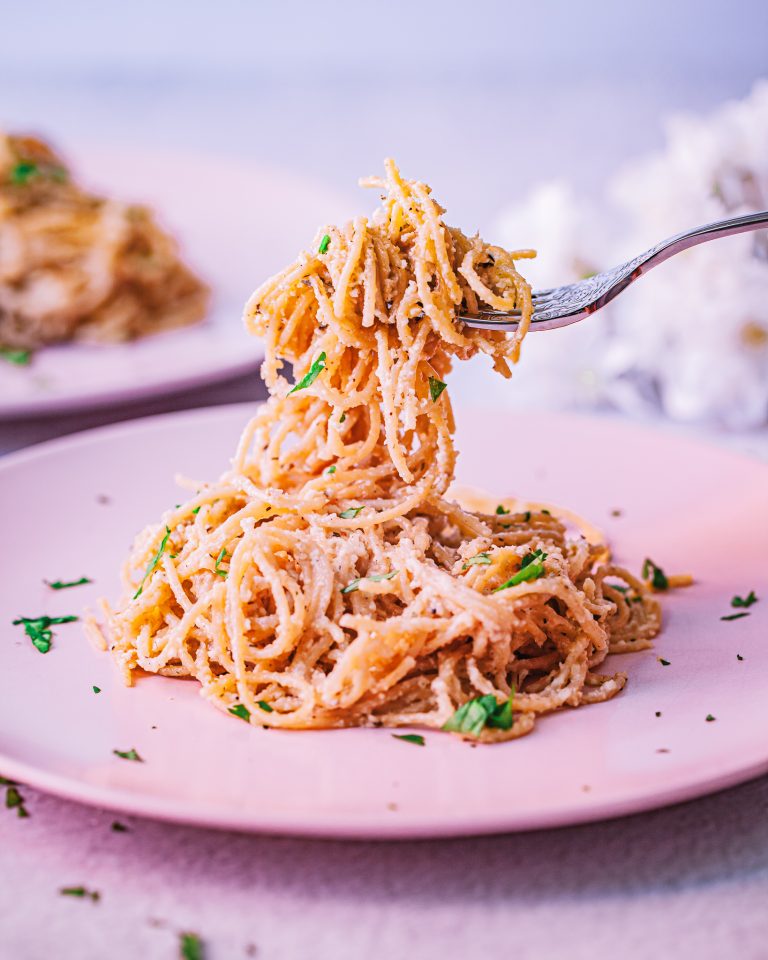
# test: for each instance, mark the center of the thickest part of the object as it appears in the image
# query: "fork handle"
(691, 238)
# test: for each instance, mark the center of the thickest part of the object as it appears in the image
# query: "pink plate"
(689, 506)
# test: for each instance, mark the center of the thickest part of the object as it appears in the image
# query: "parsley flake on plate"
(153, 562)
(13, 799)
(96, 689)
(436, 387)
(82, 892)
(376, 578)
(744, 601)
(531, 568)
(128, 755)
(480, 712)
(410, 738)
(191, 947)
(709, 718)
(311, 375)
(21, 358)
(658, 578)
(66, 584)
(38, 629)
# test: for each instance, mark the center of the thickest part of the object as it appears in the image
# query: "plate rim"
(366, 826)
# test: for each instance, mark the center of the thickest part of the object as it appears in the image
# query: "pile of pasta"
(327, 579)
(74, 266)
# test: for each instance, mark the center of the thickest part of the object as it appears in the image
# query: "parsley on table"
(479, 559)
(663, 662)
(658, 578)
(739, 656)
(350, 513)
(744, 601)
(311, 375)
(128, 755)
(118, 827)
(191, 947)
(240, 711)
(65, 584)
(96, 689)
(436, 387)
(410, 738)
(709, 718)
(153, 562)
(735, 616)
(38, 629)
(82, 892)
(324, 244)
(21, 358)
(217, 569)
(531, 568)
(476, 714)
(376, 577)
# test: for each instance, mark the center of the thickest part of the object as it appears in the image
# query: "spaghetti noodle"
(326, 579)
(76, 266)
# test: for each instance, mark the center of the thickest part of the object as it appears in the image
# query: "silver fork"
(561, 306)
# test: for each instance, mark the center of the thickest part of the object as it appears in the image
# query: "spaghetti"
(78, 267)
(326, 580)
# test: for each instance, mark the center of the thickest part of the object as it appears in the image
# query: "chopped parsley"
(479, 559)
(217, 569)
(410, 738)
(96, 689)
(350, 513)
(342, 418)
(527, 516)
(23, 172)
(501, 510)
(21, 358)
(324, 244)
(744, 601)
(376, 577)
(82, 892)
(264, 706)
(531, 568)
(709, 718)
(436, 387)
(196, 510)
(191, 947)
(657, 576)
(476, 714)
(38, 629)
(66, 584)
(128, 755)
(331, 469)
(547, 512)
(240, 711)
(663, 662)
(735, 616)
(13, 799)
(153, 562)
(311, 375)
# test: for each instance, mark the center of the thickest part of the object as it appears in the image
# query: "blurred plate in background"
(236, 222)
